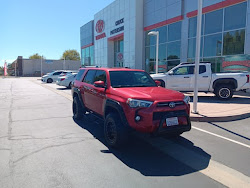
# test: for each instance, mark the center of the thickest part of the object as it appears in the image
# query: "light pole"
(197, 56)
(41, 66)
(64, 64)
(156, 33)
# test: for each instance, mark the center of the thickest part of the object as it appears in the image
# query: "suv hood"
(148, 93)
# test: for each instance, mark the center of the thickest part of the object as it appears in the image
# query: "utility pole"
(64, 63)
(197, 57)
(41, 66)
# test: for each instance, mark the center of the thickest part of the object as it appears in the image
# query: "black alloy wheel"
(115, 132)
(224, 92)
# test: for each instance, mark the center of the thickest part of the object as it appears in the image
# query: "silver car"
(66, 80)
(53, 76)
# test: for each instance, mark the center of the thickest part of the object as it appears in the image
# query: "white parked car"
(181, 78)
(53, 76)
(66, 80)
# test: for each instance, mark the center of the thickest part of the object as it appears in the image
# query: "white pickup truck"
(181, 78)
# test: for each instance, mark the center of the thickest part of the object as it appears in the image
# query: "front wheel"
(115, 132)
(49, 80)
(224, 92)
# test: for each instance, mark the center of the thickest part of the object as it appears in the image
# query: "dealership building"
(118, 35)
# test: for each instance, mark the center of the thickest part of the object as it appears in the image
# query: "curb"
(220, 119)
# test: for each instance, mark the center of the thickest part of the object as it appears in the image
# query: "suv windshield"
(131, 79)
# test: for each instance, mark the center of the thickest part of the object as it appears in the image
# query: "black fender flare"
(225, 81)
(115, 105)
(77, 92)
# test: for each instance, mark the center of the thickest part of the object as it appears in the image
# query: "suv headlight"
(134, 103)
(186, 99)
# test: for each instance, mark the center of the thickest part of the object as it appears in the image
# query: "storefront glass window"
(212, 45)
(192, 47)
(87, 57)
(174, 31)
(83, 56)
(192, 27)
(169, 48)
(235, 16)
(234, 42)
(162, 52)
(162, 34)
(91, 55)
(224, 37)
(174, 50)
(150, 53)
(213, 22)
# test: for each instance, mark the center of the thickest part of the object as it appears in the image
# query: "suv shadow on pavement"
(143, 157)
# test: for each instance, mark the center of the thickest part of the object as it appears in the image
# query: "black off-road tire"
(115, 132)
(49, 80)
(78, 110)
(224, 92)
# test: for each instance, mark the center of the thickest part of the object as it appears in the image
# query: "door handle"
(205, 76)
(186, 76)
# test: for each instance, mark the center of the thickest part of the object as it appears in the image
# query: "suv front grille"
(164, 104)
(160, 115)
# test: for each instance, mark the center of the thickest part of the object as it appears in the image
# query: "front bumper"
(153, 119)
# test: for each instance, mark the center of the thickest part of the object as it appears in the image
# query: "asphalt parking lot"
(42, 146)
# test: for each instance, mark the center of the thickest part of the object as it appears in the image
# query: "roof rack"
(188, 63)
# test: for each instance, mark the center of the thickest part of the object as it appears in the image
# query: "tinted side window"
(202, 69)
(100, 76)
(89, 78)
(79, 75)
(57, 73)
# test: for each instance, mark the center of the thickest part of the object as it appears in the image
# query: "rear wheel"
(49, 80)
(115, 132)
(78, 110)
(224, 92)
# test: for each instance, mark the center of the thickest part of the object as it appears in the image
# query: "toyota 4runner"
(129, 99)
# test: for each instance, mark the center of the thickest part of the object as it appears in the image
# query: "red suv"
(129, 99)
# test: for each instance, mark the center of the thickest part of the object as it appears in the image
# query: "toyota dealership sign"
(99, 27)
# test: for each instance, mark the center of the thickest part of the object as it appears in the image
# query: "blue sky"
(47, 27)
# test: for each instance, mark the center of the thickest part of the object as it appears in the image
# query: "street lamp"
(156, 33)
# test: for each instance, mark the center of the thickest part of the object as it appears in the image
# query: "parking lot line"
(216, 171)
(219, 136)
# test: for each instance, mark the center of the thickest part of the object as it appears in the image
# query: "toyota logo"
(171, 105)
(99, 27)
